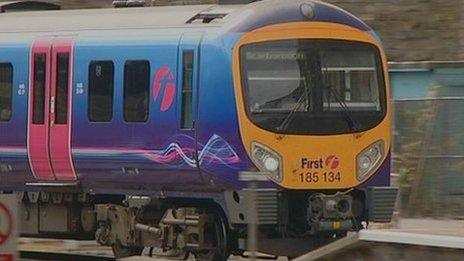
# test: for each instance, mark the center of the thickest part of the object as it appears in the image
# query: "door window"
(101, 91)
(39, 88)
(136, 91)
(62, 83)
(187, 90)
(6, 91)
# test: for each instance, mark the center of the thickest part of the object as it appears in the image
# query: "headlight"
(369, 159)
(267, 161)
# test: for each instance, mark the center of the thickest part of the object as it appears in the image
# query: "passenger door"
(50, 100)
(188, 85)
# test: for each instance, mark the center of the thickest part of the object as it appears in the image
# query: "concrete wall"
(414, 30)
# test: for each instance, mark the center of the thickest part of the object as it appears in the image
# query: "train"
(178, 130)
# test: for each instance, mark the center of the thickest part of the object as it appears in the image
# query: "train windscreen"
(313, 87)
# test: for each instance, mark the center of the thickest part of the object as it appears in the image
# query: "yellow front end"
(313, 161)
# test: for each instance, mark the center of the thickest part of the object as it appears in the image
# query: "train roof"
(238, 18)
(101, 19)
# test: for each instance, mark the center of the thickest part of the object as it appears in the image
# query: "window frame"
(42, 120)
(126, 85)
(90, 84)
(317, 132)
(185, 91)
(64, 106)
(9, 65)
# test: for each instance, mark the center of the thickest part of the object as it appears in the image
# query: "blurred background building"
(413, 30)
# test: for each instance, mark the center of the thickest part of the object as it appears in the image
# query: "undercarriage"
(288, 223)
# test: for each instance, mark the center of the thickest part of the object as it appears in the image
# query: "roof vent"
(236, 2)
(205, 18)
(128, 3)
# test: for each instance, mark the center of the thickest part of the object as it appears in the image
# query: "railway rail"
(365, 245)
(41, 255)
(411, 239)
(54, 249)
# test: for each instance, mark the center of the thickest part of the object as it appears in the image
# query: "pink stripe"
(13, 150)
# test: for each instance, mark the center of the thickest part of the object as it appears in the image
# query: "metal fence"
(428, 156)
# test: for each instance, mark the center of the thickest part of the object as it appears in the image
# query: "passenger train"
(161, 128)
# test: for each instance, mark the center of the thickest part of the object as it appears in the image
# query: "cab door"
(188, 85)
(49, 121)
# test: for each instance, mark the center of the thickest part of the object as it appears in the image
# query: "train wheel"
(120, 251)
(216, 235)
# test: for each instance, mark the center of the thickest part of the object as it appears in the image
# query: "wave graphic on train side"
(179, 152)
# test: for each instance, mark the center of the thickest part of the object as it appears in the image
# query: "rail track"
(41, 255)
(411, 240)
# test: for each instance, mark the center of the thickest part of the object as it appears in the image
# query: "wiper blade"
(289, 116)
(353, 124)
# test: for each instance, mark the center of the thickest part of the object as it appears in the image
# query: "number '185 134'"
(315, 177)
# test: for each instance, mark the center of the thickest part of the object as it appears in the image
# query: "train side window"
(38, 106)
(101, 91)
(187, 90)
(62, 85)
(6, 91)
(136, 90)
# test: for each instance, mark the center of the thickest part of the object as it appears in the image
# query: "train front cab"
(314, 117)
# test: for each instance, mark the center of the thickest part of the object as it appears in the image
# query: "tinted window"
(39, 89)
(187, 94)
(6, 92)
(314, 87)
(101, 90)
(136, 91)
(62, 82)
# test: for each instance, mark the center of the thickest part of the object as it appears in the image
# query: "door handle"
(52, 110)
(52, 105)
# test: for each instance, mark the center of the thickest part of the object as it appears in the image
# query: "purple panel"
(269, 13)
(382, 177)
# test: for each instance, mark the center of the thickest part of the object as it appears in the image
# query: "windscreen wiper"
(353, 124)
(289, 116)
(304, 72)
